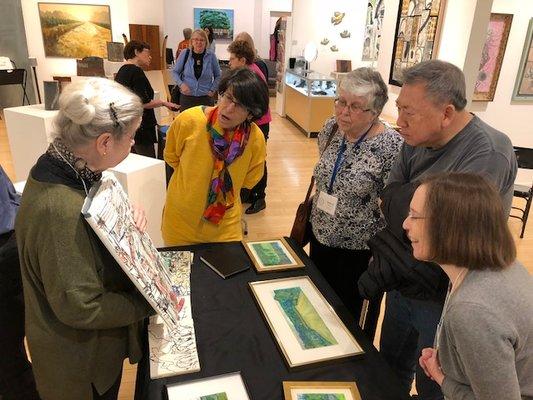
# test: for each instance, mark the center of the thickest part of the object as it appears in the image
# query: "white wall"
(146, 12)
(512, 117)
(312, 22)
(50, 66)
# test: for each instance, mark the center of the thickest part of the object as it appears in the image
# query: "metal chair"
(524, 156)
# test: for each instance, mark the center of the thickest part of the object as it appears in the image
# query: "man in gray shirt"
(440, 135)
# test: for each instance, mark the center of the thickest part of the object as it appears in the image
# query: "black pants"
(342, 269)
(16, 375)
(144, 149)
(112, 392)
(193, 101)
(258, 191)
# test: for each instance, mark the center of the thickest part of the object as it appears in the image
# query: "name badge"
(327, 203)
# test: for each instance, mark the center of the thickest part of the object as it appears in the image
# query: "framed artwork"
(374, 21)
(75, 30)
(523, 89)
(320, 391)
(492, 56)
(221, 20)
(272, 255)
(222, 387)
(115, 51)
(417, 35)
(108, 212)
(304, 325)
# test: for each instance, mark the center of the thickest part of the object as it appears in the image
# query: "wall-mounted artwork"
(523, 89)
(75, 30)
(417, 35)
(222, 387)
(221, 20)
(374, 21)
(305, 327)
(492, 56)
(320, 391)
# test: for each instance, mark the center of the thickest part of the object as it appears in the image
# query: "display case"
(309, 99)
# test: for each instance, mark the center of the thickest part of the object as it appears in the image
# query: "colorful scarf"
(226, 147)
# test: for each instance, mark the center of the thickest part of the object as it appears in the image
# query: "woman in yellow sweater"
(214, 151)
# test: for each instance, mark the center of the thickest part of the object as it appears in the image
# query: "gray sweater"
(486, 344)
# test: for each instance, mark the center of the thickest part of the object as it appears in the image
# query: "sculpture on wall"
(337, 17)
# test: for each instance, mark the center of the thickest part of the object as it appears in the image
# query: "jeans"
(408, 327)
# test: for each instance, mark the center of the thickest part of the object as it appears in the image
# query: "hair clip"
(113, 113)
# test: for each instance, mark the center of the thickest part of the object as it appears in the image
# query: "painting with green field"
(75, 30)
(321, 396)
(305, 322)
(271, 253)
(216, 396)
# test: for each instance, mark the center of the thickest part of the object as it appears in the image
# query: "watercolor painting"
(75, 30)
(272, 255)
(374, 22)
(321, 396)
(304, 320)
(221, 20)
(218, 396)
(320, 390)
(523, 90)
(492, 56)
(222, 387)
(417, 35)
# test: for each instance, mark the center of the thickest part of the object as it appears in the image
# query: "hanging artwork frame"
(372, 36)
(221, 387)
(306, 328)
(272, 255)
(71, 30)
(492, 56)
(221, 20)
(523, 89)
(320, 391)
(417, 35)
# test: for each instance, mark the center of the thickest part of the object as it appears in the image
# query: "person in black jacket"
(131, 75)
(440, 136)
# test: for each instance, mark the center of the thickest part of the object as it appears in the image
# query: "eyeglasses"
(340, 105)
(198, 40)
(228, 98)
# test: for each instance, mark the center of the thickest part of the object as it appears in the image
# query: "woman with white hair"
(357, 152)
(83, 315)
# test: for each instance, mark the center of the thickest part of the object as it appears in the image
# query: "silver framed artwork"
(523, 89)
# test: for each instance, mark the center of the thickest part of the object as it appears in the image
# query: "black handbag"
(301, 227)
(175, 94)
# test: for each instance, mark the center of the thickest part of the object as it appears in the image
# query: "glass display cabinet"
(309, 99)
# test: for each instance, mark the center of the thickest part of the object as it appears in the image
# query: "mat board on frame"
(317, 390)
(269, 255)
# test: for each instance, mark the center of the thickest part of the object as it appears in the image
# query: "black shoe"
(245, 196)
(256, 206)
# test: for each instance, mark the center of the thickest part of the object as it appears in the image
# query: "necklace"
(74, 169)
(451, 288)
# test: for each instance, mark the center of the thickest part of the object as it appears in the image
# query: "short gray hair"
(91, 107)
(187, 32)
(368, 83)
(444, 82)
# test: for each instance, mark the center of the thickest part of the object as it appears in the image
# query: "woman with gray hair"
(356, 154)
(83, 315)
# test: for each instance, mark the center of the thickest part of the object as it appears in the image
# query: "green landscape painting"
(217, 396)
(304, 320)
(271, 254)
(321, 396)
(75, 30)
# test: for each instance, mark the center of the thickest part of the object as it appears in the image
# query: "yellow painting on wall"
(75, 30)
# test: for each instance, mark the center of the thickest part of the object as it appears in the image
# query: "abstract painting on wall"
(75, 30)
(492, 56)
(374, 21)
(320, 391)
(272, 255)
(221, 387)
(221, 20)
(417, 35)
(523, 89)
(305, 327)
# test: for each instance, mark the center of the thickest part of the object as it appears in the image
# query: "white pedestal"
(29, 131)
(143, 179)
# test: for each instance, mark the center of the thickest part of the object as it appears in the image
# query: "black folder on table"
(226, 260)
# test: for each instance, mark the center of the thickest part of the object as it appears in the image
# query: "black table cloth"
(232, 335)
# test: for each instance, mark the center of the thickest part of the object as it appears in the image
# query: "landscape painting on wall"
(220, 20)
(492, 56)
(75, 30)
(417, 35)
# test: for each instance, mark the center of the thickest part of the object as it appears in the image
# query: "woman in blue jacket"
(197, 73)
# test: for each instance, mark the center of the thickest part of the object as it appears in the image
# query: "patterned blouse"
(358, 185)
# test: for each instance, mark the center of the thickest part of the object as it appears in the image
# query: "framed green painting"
(320, 391)
(523, 89)
(306, 328)
(272, 255)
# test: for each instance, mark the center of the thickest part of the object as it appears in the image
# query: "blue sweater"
(183, 72)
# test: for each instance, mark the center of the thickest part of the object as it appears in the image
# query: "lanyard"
(340, 157)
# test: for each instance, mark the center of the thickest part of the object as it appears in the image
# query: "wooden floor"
(291, 157)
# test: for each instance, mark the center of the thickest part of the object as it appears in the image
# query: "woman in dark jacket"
(131, 75)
